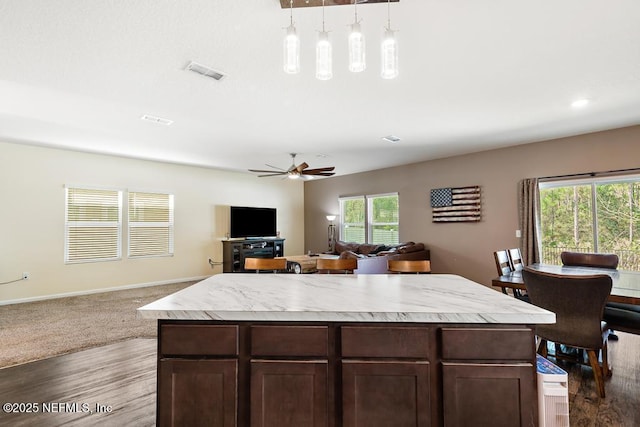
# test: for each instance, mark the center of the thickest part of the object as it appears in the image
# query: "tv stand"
(234, 252)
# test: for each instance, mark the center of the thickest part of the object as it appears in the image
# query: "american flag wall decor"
(456, 204)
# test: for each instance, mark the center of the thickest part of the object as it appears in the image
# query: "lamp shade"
(324, 66)
(357, 59)
(389, 55)
(291, 51)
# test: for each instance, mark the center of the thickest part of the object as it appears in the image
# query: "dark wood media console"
(234, 252)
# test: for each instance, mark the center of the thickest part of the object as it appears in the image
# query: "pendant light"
(324, 66)
(357, 60)
(291, 48)
(389, 49)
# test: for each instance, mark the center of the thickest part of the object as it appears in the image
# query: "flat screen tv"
(248, 222)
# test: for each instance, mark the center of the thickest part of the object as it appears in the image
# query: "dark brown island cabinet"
(333, 374)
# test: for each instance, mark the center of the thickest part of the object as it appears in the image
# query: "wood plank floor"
(123, 375)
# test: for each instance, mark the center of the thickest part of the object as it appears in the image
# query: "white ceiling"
(475, 75)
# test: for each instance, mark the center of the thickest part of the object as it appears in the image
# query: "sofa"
(372, 258)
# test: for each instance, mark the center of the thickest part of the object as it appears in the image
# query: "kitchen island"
(345, 350)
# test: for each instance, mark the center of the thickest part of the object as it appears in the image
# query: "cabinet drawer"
(199, 340)
(302, 341)
(488, 344)
(385, 342)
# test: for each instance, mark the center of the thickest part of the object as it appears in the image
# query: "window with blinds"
(150, 224)
(93, 225)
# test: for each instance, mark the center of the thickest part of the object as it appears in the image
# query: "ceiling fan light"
(324, 66)
(357, 61)
(389, 55)
(291, 51)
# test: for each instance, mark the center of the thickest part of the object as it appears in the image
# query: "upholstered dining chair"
(619, 316)
(586, 259)
(578, 302)
(421, 266)
(265, 264)
(331, 265)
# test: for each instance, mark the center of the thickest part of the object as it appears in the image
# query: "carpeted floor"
(38, 330)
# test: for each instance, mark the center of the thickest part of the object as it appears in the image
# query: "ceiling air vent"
(205, 71)
(156, 119)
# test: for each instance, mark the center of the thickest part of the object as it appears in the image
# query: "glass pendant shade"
(291, 51)
(357, 60)
(324, 67)
(389, 55)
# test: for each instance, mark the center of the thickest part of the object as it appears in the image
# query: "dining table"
(625, 284)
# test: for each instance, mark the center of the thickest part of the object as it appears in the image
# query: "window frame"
(169, 225)
(592, 182)
(368, 224)
(69, 225)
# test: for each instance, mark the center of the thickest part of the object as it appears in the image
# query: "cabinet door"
(382, 394)
(197, 393)
(289, 393)
(497, 394)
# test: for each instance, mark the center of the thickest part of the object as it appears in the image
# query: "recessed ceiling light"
(156, 119)
(391, 138)
(579, 103)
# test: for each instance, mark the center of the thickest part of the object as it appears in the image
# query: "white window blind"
(150, 224)
(93, 224)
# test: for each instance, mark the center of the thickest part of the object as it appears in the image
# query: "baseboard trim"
(99, 291)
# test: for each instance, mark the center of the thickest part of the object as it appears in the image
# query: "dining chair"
(515, 258)
(578, 302)
(421, 266)
(503, 265)
(335, 265)
(265, 264)
(619, 316)
(587, 259)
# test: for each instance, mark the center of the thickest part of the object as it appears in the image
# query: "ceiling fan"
(295, 172)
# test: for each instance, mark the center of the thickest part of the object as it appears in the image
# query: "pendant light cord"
(291, 11)
(389, 14)
(323, 16)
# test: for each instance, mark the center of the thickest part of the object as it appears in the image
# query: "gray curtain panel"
(529, 219)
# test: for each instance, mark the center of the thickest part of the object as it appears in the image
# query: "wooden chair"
(409, 266)
(619, 316)
(589, 259)
(335, 265)
(515, 258)
(578, 302)
(265, 264)
(503, 265)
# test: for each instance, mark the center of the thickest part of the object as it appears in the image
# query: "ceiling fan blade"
(272, 174)
(301, 167)
(276, 167)
(265, 171)
(328, 169)
(319, 173)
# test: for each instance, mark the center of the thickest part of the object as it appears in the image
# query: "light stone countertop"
(426, 298)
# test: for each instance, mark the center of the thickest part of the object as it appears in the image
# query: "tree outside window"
(596, 215)
(370, 219)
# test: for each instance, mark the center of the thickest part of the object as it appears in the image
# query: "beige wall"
(467, 248)
(32, 183)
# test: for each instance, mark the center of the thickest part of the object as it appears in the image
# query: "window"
(93, 224)
(592, 215)
(370, 219)
(150, 224)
